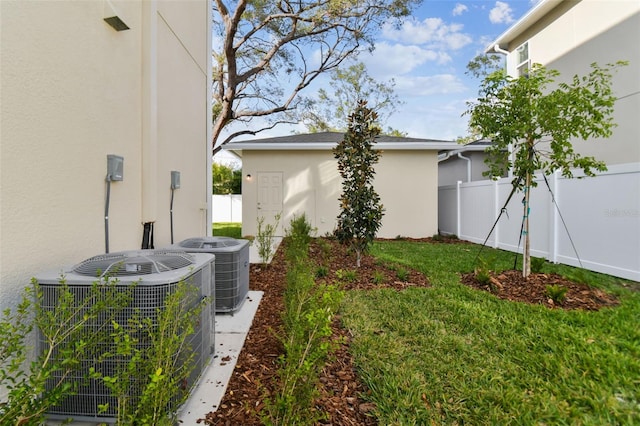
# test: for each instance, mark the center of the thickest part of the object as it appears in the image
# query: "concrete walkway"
(230, 333)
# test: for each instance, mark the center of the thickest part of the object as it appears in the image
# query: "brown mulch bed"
(340, 388)
(510, 285)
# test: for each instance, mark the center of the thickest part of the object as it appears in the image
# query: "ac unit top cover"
(151, 267)
(211, 244)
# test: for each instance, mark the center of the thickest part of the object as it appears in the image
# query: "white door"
(270, 198)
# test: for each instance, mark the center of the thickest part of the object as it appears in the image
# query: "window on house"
(522, 57)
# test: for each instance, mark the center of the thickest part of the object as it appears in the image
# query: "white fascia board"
(391, 146)
(530, 18)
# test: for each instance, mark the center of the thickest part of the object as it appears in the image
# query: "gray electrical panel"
(115, 167)
(175, 180)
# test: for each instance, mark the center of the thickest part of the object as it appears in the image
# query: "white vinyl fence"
(602, 217)
(226, 208)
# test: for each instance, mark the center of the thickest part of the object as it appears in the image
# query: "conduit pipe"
(149, 152)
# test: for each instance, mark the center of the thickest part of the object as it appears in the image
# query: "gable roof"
(327, 140)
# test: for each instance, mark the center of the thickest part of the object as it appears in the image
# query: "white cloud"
(397, 59)
(440, 84)
(433, 32)
(459, 9)
(423, 119)
(501, 14)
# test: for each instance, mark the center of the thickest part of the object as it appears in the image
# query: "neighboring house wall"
(455, 169)
(578, 33)
(405, 180)
(602, 212)
(73, 91)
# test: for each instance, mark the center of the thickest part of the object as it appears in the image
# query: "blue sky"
(427, 57)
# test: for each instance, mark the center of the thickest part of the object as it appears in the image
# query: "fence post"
(555, 218)
(458, 209)
(496, 203)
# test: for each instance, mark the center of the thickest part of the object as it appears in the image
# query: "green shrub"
(348, 275)
(160, 367)
(31, 389)
(484, 269)
(536, 264)
(307, 317)
(378, 277)
(300, 229)
(402, 274)
(322, 271)
(557, 293)
(264, 239)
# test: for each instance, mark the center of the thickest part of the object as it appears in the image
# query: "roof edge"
(524, 23)
(315, 146)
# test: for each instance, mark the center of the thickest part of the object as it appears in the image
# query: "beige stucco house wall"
(74, 90)
(298, 174)
(569, 36)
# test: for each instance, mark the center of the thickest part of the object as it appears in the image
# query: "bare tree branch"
(263, 60)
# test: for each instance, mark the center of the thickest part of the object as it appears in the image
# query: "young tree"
(538, 125)
(361, 212)
(269, 51)
(330, 111)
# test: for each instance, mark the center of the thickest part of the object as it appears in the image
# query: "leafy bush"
(557, 293)
(264, 238)
(348, 275)
(536, 264)
(378, 277)
(158, 368)
(322, 271)
(307, 317)
(482, 272)
(402, 274)
(300, 229)
(31, 387)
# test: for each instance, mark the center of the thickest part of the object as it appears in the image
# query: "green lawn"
(227, 229)
(452, 355)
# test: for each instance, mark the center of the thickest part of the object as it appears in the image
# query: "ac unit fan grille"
(140, 263)
(209, 243)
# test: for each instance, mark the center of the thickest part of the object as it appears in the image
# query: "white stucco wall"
(73, 91)
(405, 180)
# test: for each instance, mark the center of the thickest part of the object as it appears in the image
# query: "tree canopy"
(330, 111)
(532, 121)
(267, 52)
(226, 180)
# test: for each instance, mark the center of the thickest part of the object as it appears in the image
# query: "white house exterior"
(569, 36)
(298, 174)
(601, 214)
(75, 90)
